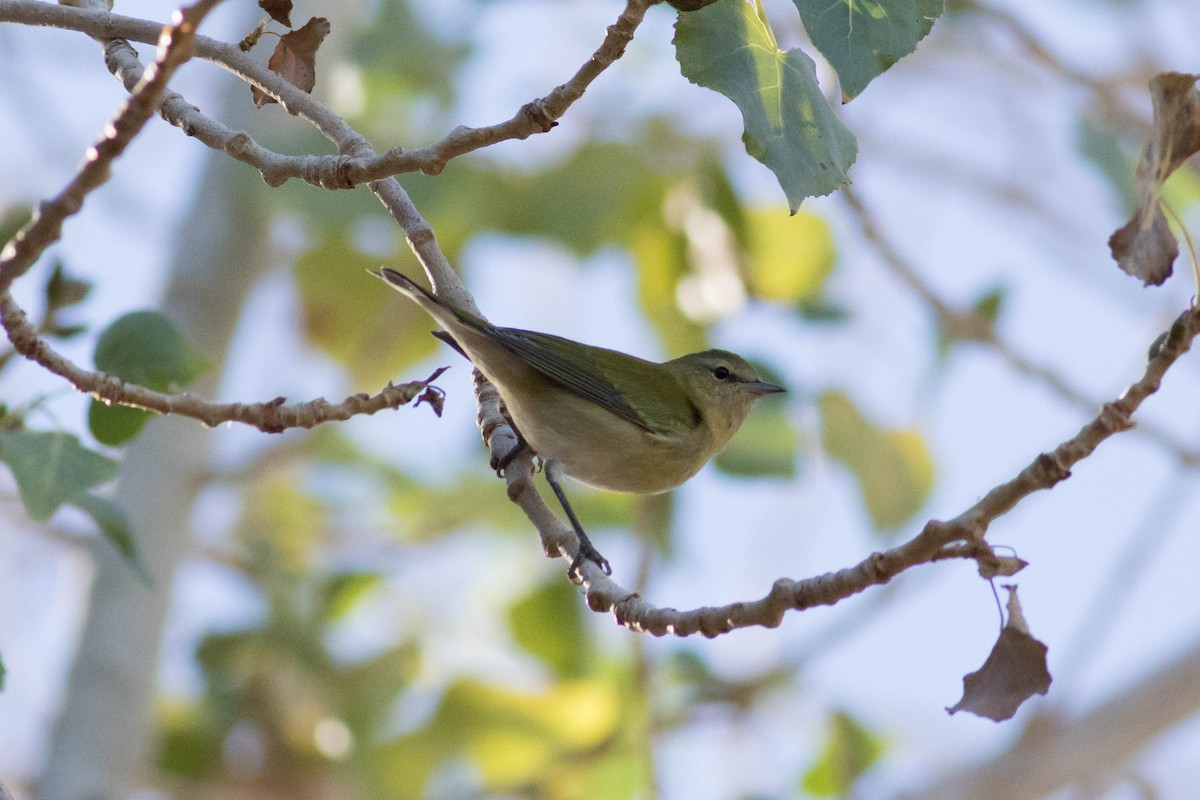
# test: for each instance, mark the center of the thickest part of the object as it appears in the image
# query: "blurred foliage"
(278, 702)
(893, 467)
(348, 316)
(850, 750)
(52, 468)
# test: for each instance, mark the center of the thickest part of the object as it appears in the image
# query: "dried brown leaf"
(1015, 670)
(435, 397)
(295, 58)
(278, 10)
(1145, 247)
(250, 39)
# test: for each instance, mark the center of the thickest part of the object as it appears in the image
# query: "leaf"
(548, 623)
(251, 39)
(52, 468)
(372, 332)
(1015, 670)
(278, 10)
(115, 425)
(62, 290)
(764, 446)
(3, 673)
(850, 750)
(295, 58)
(661, 257)
(113, 523)
(893, 468)
(790, 258)
(145, 348)
(729, 48)
(1145, 247)
(862, 39)
(340, 593)
(689, 5)
(512, 738)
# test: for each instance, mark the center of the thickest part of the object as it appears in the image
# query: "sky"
(948, 139)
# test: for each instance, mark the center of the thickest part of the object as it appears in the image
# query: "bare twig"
(271, 416)
(937, 539)
(176, 45)
(970, 326)
(353, 165)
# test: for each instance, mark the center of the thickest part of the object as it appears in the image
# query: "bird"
(605, 418)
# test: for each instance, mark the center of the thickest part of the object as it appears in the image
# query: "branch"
(970, 326)
(355, 164)
(271, 416)
(176, 44)
(937, 540)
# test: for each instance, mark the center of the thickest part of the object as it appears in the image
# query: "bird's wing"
(581, 369)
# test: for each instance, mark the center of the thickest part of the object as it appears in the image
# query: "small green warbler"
(607, 419)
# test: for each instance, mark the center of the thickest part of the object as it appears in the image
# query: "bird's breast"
(600, 449)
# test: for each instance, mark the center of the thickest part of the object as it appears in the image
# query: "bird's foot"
(587, 552)
(501, 464)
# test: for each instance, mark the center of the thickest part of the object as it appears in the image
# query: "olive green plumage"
(605, 418)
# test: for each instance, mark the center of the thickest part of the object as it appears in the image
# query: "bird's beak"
(762, 387)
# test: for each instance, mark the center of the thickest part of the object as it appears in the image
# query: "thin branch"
(355, 164)
(971, 326)
(933, 542)
(176, 44)
(271, 416)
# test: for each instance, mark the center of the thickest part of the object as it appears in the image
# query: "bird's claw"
(501, 464)
(587, 553)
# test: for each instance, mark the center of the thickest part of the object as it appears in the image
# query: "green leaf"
(990, 303)
(765, 445)
(63, 290)
(862, 39)
(729, 48)
(661, 257)
(3, 673)
(340, 593)
(113, 523)
(850, 750)
(548, 623)
(144, 347)
(791, 258)
(893, 468)
(369, 329)
(115, 425)
(52, 468)
(512, 738)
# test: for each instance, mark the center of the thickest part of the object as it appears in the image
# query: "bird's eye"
(721, 373)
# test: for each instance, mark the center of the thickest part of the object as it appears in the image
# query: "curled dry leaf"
(295, 58)
(435, 397)
(997, 566)
(250, 39)
(1145, 246)
(278, 10)
(1015, 670)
